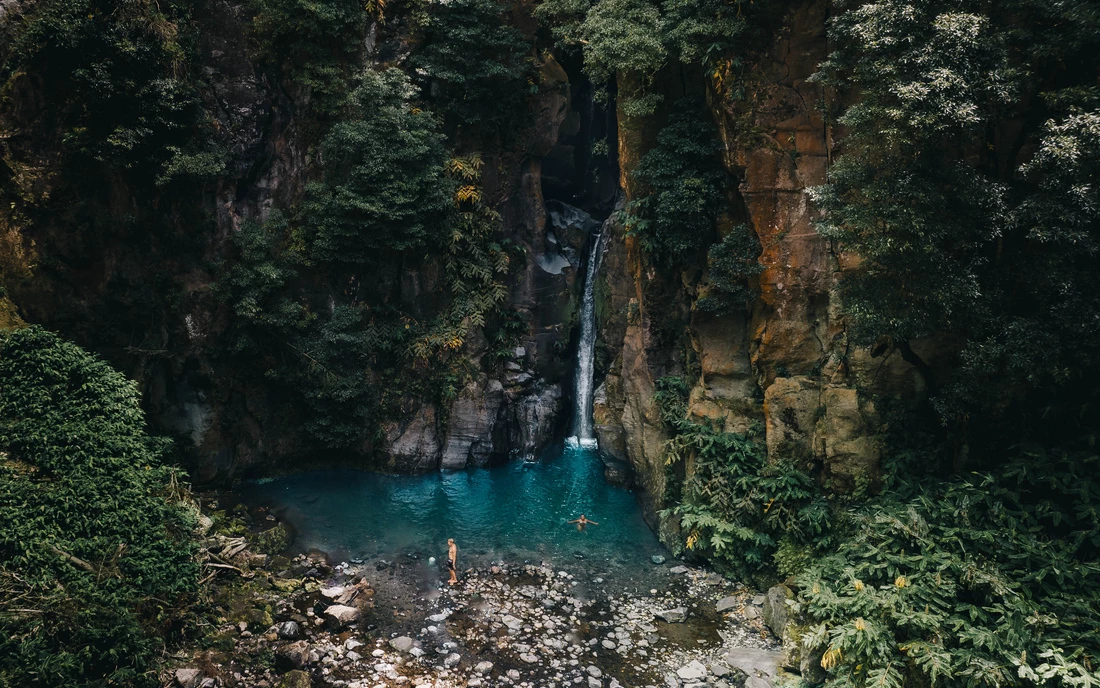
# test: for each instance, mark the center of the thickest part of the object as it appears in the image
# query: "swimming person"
(452, 560)
(582, 522)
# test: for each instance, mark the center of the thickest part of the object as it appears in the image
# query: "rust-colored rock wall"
(785, 369)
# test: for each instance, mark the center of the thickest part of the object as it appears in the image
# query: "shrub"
(684, 176)
(474, 66)
(731, 262)
(735, 507)
(384, 187)
(95, 554)
(983, 580)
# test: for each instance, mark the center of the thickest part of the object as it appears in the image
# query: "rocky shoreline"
(277, 622)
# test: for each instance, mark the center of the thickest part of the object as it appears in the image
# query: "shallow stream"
(513, 512)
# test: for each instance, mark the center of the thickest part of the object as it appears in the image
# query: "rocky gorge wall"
(783, 369)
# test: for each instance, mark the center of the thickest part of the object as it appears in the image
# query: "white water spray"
(583, 435)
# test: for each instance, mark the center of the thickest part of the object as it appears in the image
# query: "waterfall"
(583, 434)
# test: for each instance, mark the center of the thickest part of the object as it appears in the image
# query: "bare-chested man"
(582, 522)
(452, 560)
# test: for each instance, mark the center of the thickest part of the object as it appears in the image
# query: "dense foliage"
(968, 186)
(985, 580)
(384, 187)
(676, 219)
(475, 66)
(388, 196)
(731, 263)
(315, 42)
(95, 551)
(114, 83)
(743, 513)
(637, 38)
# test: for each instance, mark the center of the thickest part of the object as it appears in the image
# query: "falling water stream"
(583, 435)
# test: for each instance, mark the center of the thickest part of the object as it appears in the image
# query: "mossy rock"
(286, 585)
(258, 619)
(272, 540)
(223, 641)
(295, 679)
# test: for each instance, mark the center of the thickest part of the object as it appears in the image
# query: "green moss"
(273, 540)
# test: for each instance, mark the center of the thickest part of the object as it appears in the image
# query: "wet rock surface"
(507, 624)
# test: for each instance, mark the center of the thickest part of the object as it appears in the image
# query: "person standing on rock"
(582, 522)
(452, 560)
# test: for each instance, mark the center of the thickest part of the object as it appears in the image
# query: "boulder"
(295, 679)
(675, 615)
(776, 611)
(693, 671)
(288, 630)
(726, 603)
(188, 677)
(341, 615)
(295, 654)
(754, 662)
(452, 660)
(403, 643)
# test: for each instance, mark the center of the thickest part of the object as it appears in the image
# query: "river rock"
(776, 611)
(403, 643)
(342, 615)
(296, 654)
(452, 660)
(657, 559)
(754, 662)
(295, 679)
(678, 570)
(725, 604)
(693, 671)
(288, 630)
(675, 615)
(594, 682)
(188, 677)
(483, 667)
(333, 592)
(594, 671)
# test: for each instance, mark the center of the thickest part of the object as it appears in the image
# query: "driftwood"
(74, 560)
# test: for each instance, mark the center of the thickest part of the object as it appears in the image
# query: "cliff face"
(785, 369)
(146, 299)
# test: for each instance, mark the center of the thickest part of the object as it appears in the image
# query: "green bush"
(315, 42)
(474, 66)
(731, 262)
(979, 581)
(384, 187)
(676, 220)
(113, 79)
(95, 551)
(735, 507)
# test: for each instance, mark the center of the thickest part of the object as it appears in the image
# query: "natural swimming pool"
(513, 512)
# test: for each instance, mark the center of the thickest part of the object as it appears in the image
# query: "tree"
(966, 188)
(473, 65)
(384, 187)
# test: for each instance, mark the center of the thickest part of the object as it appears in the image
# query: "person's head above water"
(450, 541)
